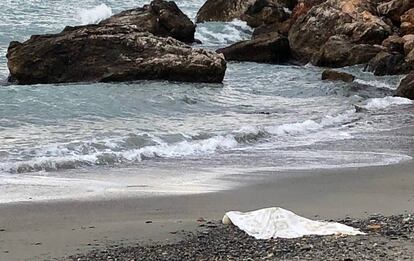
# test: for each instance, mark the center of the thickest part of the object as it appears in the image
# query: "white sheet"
(280, 223)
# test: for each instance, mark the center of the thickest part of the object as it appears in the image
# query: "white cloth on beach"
(280, 223)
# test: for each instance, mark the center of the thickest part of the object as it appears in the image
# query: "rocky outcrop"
(332, 75)
(406, 88)
(270, 48)
(353, 19)
(160, 18)
(254, 12)
(339, 51)
(105, 53)
(394, 9)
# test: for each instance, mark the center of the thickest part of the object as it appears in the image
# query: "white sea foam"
(375, 83)
(309, 125)
(217, 33)
(94, 15)
(116, 151)
(382, 103)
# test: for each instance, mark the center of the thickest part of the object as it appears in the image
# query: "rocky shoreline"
(326, 33)
(387, 238)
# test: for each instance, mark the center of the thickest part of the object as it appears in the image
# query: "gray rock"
(104, 53)
(270, 48)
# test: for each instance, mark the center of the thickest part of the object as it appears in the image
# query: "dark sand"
(42, 231)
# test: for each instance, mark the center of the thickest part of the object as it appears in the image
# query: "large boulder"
(160, 18)
(339, 51)
(353, 18)
(394, 9)
(102, 53)
(407, 22)
(406, 88)
(254, 12)
(270, 48)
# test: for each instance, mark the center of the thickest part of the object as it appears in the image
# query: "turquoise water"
(262, 117)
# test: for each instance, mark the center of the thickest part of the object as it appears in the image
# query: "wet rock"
(386, 63)
(333, 75)
(406, 87)
(104, 53)
(395, 8)
(160, 18)
(407, 22)
(254, 12)
(339, 51)
(270, 48)
(355, 19)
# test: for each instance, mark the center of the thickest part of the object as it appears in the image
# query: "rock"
(408, 43)
(160, 18)
(264, 12)
(278, 27)
(395, 8)
(271, 48)
(394, 43)
(386, 63)
(254, 12)
(407, 22)
(406, 88)
(353, 18)
(333, 75)
(303, 7)
(338, 51)
(102, 53)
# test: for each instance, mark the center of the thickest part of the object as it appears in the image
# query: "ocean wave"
(375, 83)
(382, 103)
(94, 15)
(221, 34)
(135, 148)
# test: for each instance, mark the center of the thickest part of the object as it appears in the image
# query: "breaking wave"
(138, 147)
(94, 15)
(222, 34)
(382, 103)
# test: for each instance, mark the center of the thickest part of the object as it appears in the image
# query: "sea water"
(158, 137)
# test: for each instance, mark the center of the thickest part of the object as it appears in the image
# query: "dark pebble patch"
(388, 238)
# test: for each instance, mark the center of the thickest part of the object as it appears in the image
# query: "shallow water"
(60, 140)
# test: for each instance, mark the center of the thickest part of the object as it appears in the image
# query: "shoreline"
(47, 230)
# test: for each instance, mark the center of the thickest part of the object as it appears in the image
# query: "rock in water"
(406, 88)
(385, 63)
(160, 18)
(104, 53)
(354, 19)
(270, 48)
(333, 75)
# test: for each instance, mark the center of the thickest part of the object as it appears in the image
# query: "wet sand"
(48, 230)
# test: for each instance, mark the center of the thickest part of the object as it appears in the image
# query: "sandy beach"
(50, 230)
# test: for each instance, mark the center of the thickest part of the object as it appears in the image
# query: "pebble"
(392, 240)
